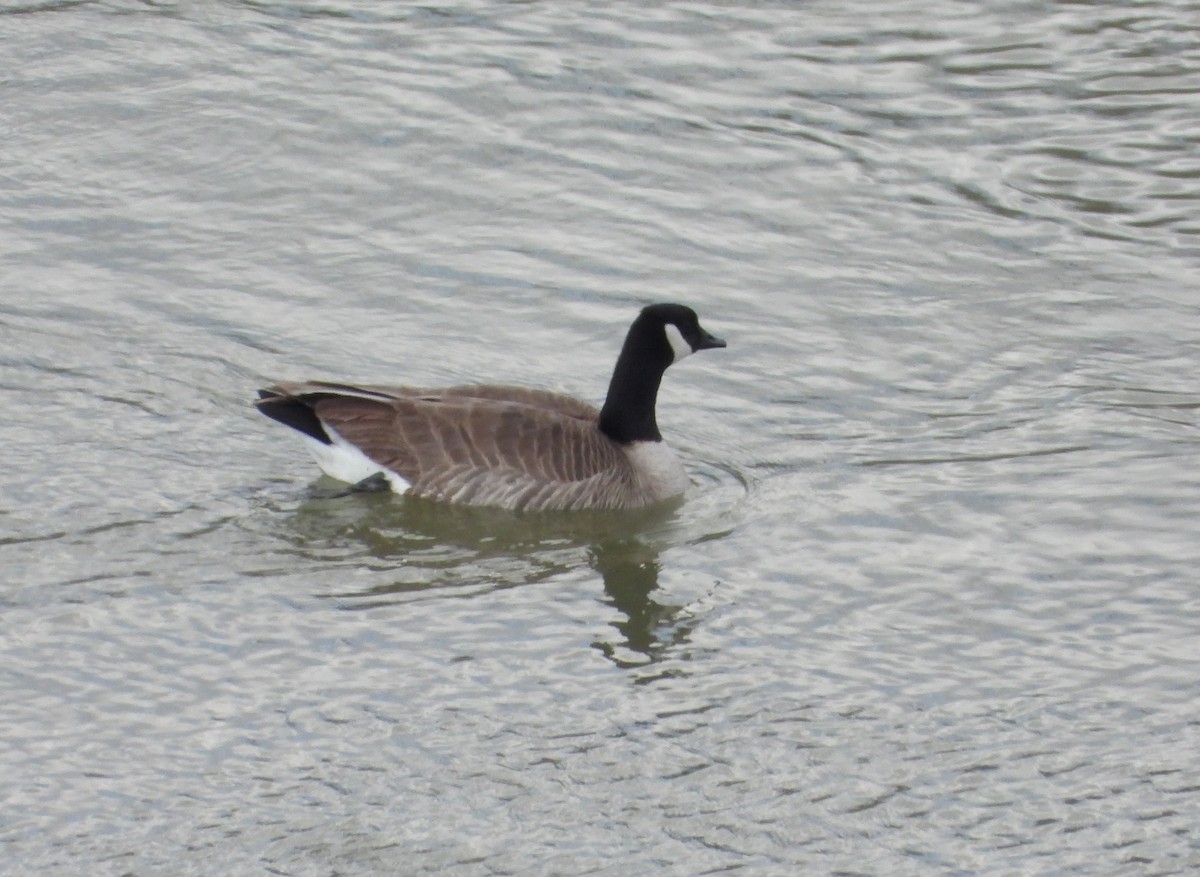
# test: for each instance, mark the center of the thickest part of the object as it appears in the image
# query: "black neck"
(628, 412)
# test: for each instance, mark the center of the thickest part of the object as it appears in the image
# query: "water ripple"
(935, 571)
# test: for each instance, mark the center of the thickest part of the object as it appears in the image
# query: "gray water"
(931, 605)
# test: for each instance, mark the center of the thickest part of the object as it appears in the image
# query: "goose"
(505, 446)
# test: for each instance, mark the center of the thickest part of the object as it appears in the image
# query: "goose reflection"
(414, 548)
(630, 571)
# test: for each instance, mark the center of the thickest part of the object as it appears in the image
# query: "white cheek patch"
(677, 341)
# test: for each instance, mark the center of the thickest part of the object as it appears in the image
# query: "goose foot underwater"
(376, 483)
(505, 446)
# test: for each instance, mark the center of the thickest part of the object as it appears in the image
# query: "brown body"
(510, 447)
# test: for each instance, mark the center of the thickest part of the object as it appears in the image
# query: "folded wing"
(493, 445)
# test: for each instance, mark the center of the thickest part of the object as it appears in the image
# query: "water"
(931, 607)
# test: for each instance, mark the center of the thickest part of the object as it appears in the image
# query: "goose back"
(495, 445)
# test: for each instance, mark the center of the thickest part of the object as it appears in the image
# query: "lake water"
(931, 606)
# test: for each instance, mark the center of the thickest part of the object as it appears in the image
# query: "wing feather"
(483, 445)
(513, 450)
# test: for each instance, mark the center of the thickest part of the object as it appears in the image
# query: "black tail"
(292, 411)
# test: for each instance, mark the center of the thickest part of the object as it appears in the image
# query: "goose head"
(662, 334)
(681, 328)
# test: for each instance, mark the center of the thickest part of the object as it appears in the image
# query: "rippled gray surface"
(931, 607)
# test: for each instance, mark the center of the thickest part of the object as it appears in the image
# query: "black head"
(661, 334)
(681, 328)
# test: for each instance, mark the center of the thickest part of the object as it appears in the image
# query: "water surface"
(931, 605)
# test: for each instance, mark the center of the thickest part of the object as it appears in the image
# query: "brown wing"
(472, 448)
(566, 405)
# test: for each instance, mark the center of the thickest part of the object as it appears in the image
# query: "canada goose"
(505, 446)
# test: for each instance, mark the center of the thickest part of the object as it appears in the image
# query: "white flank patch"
(678, 342)
(659, 468)
(345, 462)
